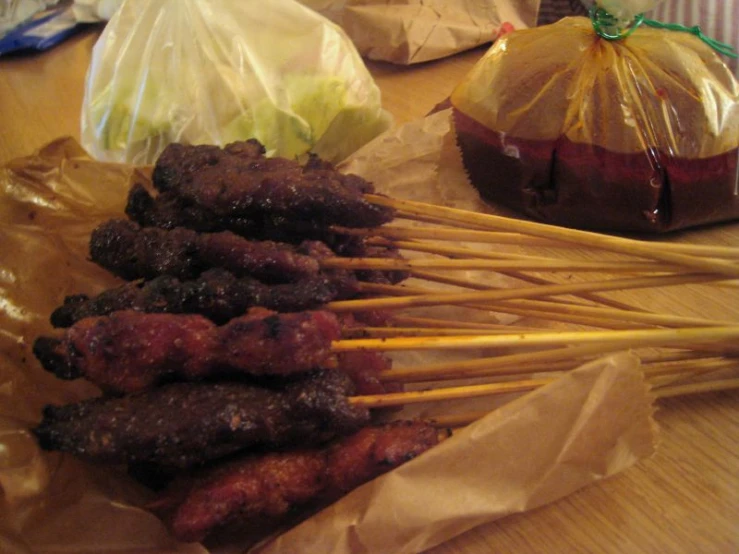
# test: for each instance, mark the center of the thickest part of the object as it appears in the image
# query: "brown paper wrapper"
(413, 31)
(587, 425)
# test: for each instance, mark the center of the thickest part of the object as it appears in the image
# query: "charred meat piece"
(168, 211)
(130, 351)
(378, 276)
(231, 184)
(132, 252)
(179, 162)
(364, 369)
(186, 424)
(217, 294)
(270, 485)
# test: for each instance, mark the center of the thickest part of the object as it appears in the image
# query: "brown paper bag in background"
(414, 31)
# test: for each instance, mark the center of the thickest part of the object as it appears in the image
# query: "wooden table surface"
(685, 499)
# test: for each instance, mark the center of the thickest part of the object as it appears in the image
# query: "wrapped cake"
(640, 133)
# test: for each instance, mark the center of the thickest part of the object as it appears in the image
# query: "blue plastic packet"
(40, 32)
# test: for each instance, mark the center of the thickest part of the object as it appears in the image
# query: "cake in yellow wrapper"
(638, 134)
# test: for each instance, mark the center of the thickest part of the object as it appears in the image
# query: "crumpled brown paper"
(414, 31)
(585, 426)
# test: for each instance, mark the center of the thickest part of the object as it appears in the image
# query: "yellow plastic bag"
(216, 71)
(639, 134)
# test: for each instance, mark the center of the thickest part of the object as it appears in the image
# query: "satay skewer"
(130, 351)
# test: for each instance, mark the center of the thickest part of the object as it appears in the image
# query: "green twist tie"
(609, 28)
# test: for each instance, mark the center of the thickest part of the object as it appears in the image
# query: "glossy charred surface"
(186, 424)
(132, 252)
(217, 294)
(238, 182)
(270, 485)
(129, 351)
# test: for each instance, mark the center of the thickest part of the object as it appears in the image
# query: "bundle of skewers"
(244, 362)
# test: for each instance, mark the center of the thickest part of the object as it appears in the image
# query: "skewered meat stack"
(248, 427)
(209, 353)
(215, 375)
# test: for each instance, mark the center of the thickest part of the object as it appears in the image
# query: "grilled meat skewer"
(270, 485)
(239, 182)
(132, 252)
(168, 211)
(130, 351)
(186, 424)
(217, 294)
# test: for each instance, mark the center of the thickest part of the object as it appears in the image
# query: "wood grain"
(683, 500)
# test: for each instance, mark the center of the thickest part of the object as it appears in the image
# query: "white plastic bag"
(216, 71)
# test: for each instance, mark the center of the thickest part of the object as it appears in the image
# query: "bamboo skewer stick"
(685, 377)
(509, 364)
(491, 389)
(517, 238)
(523, 292)
(457, 420)
(467, 253)
(630, 338)
(580, 238)
(376, 332)
(545, 308)
(590, 297)
(718, 385)
(403, 320)
(553, 315)
(537, 280)
(695, 388)
(451, 393)
(473, 233)
(391, 264)
(433, 248)
(708, 364)
(546, 361)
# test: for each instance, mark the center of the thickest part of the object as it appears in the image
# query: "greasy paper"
(583, 427)
(414, 31)
(589, 424)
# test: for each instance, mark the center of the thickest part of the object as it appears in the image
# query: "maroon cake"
(640, 134)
